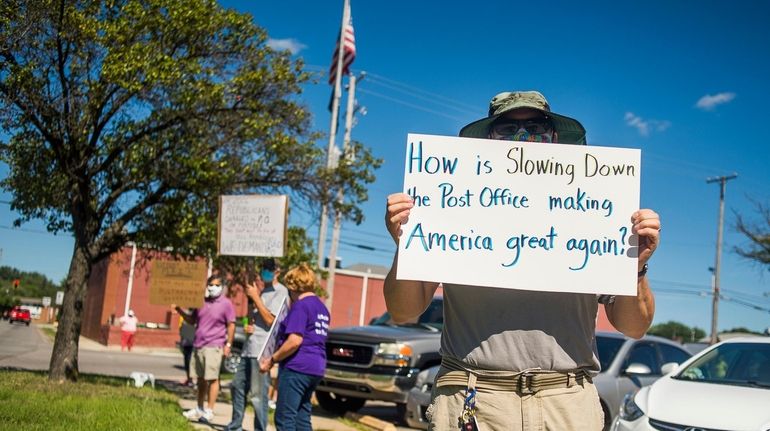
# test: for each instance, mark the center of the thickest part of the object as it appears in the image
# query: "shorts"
(206, 363)
(573, 408)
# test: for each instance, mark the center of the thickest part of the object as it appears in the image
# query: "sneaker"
(208, 415)
(193, 414)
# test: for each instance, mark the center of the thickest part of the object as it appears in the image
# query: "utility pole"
(718, 261)
(349, 112)
(333, 127)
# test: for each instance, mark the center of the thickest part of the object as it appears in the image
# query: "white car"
(724, 387)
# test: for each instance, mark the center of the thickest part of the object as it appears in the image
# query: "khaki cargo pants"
(563, 409)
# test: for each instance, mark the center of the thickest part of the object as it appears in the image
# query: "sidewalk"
(223, 412)
(89, 344)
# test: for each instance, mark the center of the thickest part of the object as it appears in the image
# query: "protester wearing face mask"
(214, 331)
(265, 295)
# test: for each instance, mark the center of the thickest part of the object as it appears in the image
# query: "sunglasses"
(534, 126)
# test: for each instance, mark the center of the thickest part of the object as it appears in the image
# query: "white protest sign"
(545, 217)
(252, 225)
(272, 336)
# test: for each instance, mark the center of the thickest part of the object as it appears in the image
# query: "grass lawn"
(30, 402)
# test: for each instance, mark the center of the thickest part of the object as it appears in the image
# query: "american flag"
(350, 52)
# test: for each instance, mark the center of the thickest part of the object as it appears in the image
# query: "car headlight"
(629, 410)
(393, 354)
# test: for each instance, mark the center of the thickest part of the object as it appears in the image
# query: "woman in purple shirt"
(301, 352)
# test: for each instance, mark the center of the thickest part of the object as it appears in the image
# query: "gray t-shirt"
(516, 330)
(273, 296)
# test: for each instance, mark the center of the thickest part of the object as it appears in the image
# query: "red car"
(19, 314)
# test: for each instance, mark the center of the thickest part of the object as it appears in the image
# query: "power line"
(21, 229)
(409, 90)
(426, 96)
(667, 291)
(411, 105)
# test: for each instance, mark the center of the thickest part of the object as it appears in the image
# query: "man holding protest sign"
(267, 296)
(516, 359)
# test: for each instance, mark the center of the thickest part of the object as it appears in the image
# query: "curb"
(370, 421)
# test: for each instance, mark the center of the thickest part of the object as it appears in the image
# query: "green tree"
(758, 234)
(677, 331)
(32, 284)
(126, 119)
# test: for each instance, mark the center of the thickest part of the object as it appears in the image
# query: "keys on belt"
(467, 419)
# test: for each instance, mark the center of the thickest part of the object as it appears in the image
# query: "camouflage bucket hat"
(570, 131)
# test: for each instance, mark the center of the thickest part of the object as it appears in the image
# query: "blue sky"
(632, 72)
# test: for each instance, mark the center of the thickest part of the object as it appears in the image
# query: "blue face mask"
(267, 276)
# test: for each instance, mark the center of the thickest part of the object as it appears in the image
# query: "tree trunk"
(64, 358)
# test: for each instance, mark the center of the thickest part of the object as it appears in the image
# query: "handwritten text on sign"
(520, 215)
(252, 225)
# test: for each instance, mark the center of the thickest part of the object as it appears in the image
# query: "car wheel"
(401, 413)
(27, 323)
(338, 404)
(230, 363)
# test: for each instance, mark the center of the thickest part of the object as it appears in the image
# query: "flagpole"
(340, 194)
(333, 128)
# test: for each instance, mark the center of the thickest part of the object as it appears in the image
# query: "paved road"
(26, 347)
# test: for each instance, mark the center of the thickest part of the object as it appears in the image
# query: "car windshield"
(741, 364)
(608, 348)
(431, 319)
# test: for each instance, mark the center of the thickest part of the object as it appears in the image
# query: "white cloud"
(709, 102)
(646, 126)
(292, 45)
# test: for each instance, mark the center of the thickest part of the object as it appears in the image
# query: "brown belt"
(457, 373)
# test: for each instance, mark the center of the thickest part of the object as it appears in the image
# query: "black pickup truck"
(379, 361)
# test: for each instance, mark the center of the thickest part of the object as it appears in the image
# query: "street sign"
(59, 297)
(46, 301)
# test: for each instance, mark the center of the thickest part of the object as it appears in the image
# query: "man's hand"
(265, 365)
(226, 351)
(647, 227)
(397, 213)
(254, 290)
(248, 329)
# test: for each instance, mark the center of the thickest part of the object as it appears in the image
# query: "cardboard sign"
(272, 337)
(177, 282)
(252, 225)
(520, 215)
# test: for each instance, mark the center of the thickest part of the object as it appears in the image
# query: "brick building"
(113, 289)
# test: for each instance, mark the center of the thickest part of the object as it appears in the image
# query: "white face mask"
(213, 290)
